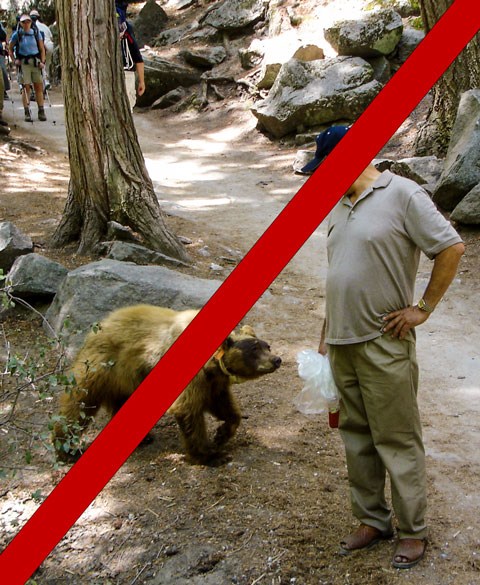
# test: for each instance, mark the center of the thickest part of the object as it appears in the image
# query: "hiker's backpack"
(21, 33)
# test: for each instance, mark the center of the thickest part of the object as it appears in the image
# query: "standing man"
(28, 51)
(49, 45)
(132, 58)
(375, 235)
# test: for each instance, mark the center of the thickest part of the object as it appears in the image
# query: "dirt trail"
(276, 512)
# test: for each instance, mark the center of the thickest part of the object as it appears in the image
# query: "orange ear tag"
(219, 353)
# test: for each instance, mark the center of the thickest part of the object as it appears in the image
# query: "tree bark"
(108, 180)
(462, 75)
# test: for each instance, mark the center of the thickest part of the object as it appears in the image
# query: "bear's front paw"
(211, 458)
(223, 434)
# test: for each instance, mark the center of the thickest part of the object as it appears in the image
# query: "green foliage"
(29, 381)
(417, 23)
(46, 9)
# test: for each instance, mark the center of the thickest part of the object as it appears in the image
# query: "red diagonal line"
(239, 292)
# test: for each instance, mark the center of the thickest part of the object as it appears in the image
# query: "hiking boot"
(41, 115)
(28, 115)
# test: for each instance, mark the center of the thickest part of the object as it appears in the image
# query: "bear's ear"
(228, 343)
(247, 331)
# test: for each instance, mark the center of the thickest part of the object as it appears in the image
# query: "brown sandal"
(364, 537)
(408, 552)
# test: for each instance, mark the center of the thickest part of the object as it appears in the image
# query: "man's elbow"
(458, 249)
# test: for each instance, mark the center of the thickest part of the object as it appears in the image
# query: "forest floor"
(276, 512)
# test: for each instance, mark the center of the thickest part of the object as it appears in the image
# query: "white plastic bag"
(320, 392)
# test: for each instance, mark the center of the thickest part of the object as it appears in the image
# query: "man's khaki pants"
(380, 426)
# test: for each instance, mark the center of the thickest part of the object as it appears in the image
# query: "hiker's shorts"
(31, 74)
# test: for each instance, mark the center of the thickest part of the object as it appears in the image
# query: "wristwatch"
(422, 305)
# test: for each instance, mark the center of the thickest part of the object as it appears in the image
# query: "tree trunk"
(108, 180)
(462, 75)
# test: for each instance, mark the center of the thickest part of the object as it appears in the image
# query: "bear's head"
(243, 356)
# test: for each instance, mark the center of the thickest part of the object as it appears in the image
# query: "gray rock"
(405, 8)
(252, 55)
(462, 163)
(205, 59)
(169, 99)
(411, 38)
(150, 22)
(236, 14)
(376, 34)
(170, 36)
(13, 243)
(424, 170)
(88, 293)
(382, 70)
(421, 169)
(162, 76)
(33, 275)
(128, 252)
(314, 93)
(275, 57)
(309, 53)
(468, 210)
(302, 157)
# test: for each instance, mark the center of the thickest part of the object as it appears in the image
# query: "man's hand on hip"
(400, 322)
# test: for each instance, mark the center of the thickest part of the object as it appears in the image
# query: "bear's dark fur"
(128, 344)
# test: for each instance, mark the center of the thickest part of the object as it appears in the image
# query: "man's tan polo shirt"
(373, 254)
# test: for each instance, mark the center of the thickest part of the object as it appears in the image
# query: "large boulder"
(150, 22)
(33, 275)
(314, 93)
(468, 210)
(462, 163)
(233, 15)
(162, 76)
(410, 40)
(378, 33)
(204, 58)
(88, 293)
(279, 51)
(13, 243)
(424, 170)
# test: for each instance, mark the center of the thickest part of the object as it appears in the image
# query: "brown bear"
(129, 342)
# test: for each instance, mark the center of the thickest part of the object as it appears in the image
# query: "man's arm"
(11, 46)
(141, 78)
(445, 268)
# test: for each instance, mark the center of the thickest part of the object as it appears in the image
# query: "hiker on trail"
(48, 42)
(3, 66)
(27, 50)
(132, 58)
(375, 235)
(3, 125)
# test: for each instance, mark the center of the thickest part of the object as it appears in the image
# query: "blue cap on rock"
(326, 142)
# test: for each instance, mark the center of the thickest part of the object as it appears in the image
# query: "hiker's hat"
(326, 142)
(25, 17)
(34, 13)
